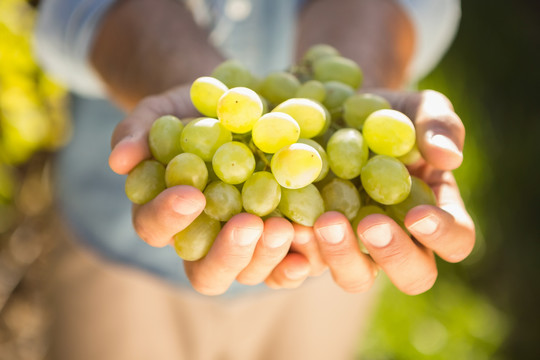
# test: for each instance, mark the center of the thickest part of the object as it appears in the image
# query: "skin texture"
(375, 33)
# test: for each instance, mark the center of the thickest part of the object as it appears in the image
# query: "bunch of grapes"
(294, 144)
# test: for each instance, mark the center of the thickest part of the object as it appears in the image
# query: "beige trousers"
(111, 312)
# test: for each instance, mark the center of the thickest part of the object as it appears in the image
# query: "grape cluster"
(295, 144)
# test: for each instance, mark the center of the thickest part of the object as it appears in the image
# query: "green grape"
(296, 165)
(312, 89)
(309, 114)
(279, 86)
(275, 130)
(223, 200)
(233, 162)
(412, 157)
(359, 106)
(238, 109)
(386, 180)
(303, 206)
(341, 195)
(261, 193)
(318, 51)
(324, 158)
(164, 138)
(203, 136)
(205, 93)
(233, 74)
(194, 242)
(347, 153)
(145, 181)
(338, 68)
(421, 194)
(336, 94)
(186, 169)
(389, 132)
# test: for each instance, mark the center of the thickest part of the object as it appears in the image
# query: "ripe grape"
(296, 165)
(389, 132)
(318, 51)
(359, 106)
(145, 181)
(203, 136)
(341, 195)
(279, 86)
(303, 205)
(336, 94)
(312, 89)
(233, 162)
(163, 138)
(412, 157)
(205, 93)
(347, 153)
(386, 180)
(275, 130)
(261, 193)
(223, 200)
(322, 153)
(309, 114)
(238, 109)
(337, 68)
(194, 242)
(233, 74)
(186, 169)
(421, 194)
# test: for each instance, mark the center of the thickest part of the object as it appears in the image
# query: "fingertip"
(126, 154)
(441, 151)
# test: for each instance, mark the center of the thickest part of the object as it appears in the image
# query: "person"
(129, 62)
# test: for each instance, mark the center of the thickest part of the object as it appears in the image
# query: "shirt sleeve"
(63, 36)
(435, 24)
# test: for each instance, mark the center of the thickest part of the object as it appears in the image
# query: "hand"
(246, 249)
(446, 230)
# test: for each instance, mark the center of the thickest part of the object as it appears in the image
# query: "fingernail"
(246, 236)
(378, 235)
(274, 240)
(332, 234)
(185, 206)
(426, 226)
(296, 274)
(444, 142)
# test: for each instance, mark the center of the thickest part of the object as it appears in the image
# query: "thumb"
(440, 132)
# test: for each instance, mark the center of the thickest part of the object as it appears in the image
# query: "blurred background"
(483, 308)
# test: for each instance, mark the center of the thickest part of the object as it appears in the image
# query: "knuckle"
(390, 255)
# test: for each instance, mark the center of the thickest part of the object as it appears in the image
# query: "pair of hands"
(284, 254)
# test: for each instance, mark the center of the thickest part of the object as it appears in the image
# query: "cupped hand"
(446, 229)
(247, 249)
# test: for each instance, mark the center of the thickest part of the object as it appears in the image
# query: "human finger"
(129, 141)
(351, 269)
(305, 243)
(157, 221)
(410, 267)
(270, 250)
(447, 229)
(229, 255)
(290, 273)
